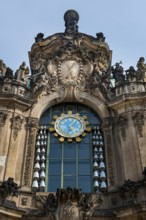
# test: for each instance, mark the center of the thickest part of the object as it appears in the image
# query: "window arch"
(78, 165)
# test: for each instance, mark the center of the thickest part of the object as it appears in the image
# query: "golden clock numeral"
(84, 134)
(78, 139)
(52, 122)
(69, 140)
(61, 139)
(70, 112)
(84, 117)
(87, 122)
(88, 129)
(55, 135)
(55, 116)
(51, 129)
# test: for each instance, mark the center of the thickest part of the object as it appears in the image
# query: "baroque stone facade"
(73, 67)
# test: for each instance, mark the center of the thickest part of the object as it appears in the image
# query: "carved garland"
(16, 125)
(138, 119)
(106, 128)
(122, 123)
(32, 127)
(3, 117)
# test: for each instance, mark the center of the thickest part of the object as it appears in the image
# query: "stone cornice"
(125, 101)
(13, 101)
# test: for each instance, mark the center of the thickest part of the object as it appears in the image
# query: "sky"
(123, 23)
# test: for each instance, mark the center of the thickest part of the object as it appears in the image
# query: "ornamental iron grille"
(76, 165)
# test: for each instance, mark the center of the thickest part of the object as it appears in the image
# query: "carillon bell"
(95, 156)
(100, 150)
(96, 184)
(41, 131)
(43, 137)
(101, 157)
(43, 166)
(95, 164)
(42, 143)
(37, 144)
(102, 175)
(35, 184)
(96, 174)
(36, 166)
(43, 158)
(103, 185)
(36, 175)
(42, 175)
(102, 166)
(38, 151)
(39, 137)
(37, 158)
(43, 151)
(95, 149)
(42, 184)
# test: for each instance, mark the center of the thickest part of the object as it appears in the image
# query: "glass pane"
(55, 151)
(54, 182)
(69, 150)
(57, 109)
(85, 183)
(55, 167)
(84, 151)
(84, 167)
(86, 139)
(54, 139)
(69, 181)
(69, 167)
(70, 107)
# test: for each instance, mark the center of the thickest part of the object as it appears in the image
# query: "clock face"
(70, 126)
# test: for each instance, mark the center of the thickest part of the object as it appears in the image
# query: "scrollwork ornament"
(3, 117)
(138, 118)
(16, 125)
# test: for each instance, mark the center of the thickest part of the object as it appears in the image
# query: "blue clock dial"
(70, 126)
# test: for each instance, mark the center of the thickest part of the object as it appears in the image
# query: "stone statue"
(71, 18)
(131, 74)
(118, 72)
(100, 37)
(22, 73)
(3, 69)
(141, 69)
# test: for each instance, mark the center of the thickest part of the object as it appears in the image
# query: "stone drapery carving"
(68, 204)
(118, 72)
(3, 117)
(106, 127)
(138, 118)
(122, 123)
(16, 125)
(141, 69)
(32, 127)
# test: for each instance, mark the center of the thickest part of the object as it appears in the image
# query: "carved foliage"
(3, 117)
(106, 126)
(122, 123)
(32, 127)
(16, 125)
(139, 122)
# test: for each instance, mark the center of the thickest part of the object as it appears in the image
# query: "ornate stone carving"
(3, 117)
(122, 123)
(24, 201)
(131, 74)
(138, 118)
(68, 204)
(106, 127)
(141, 69)
(8, 187)
(32, 127)
(71, 63)
(16, 125)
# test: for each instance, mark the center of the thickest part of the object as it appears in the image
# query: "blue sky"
(121, 21)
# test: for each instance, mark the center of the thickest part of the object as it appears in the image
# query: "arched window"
(75, 164)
